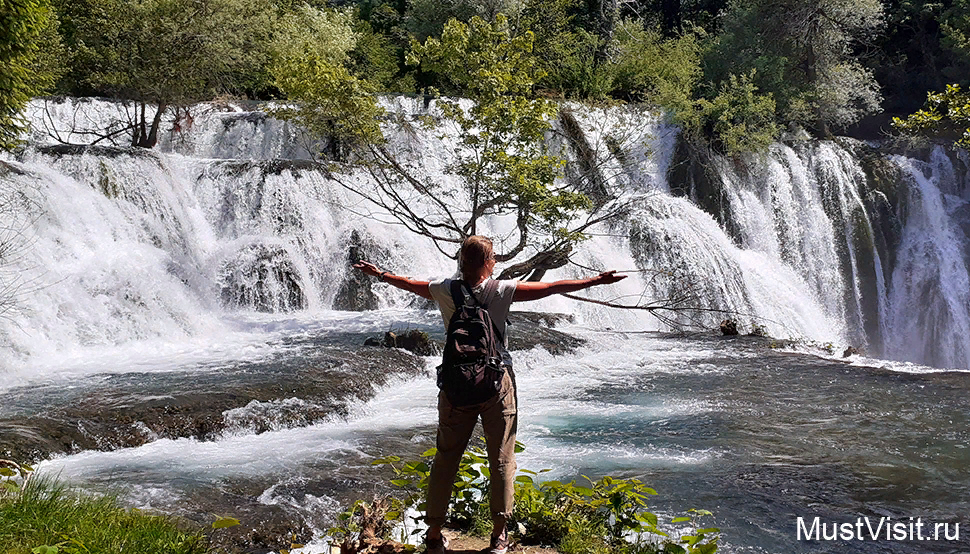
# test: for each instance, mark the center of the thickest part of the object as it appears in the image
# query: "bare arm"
(531, 290)
(406, 283)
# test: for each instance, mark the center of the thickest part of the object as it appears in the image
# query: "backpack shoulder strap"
(491, 288)
(457, 295)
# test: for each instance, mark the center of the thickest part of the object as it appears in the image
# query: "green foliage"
(13, 477)
(427, 18)
(738, 119)
(817, 59)
(565, 52)
(166, 51)
(376, 57)
(501, 153)
(802, 53)
(47, 517)
(503, 157)
(411, 479)
(25, 70)
(314, 33)
(945, 114)
(955, 25)
(51, 60)
(333, 102)
(223, 522)
(648, 67)
(607, 515)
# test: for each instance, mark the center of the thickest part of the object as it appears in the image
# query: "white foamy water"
(135, 247)
(550, 385)
(930, 297)
(688, 416)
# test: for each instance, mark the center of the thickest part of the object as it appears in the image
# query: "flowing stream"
(188, 332)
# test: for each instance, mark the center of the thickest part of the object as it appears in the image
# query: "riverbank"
(49, 514)
(459, 543)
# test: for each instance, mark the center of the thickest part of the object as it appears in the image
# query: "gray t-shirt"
(498, 303)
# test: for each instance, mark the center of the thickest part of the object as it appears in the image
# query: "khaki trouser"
(455, 427)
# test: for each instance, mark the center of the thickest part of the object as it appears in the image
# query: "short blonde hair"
(476, 250)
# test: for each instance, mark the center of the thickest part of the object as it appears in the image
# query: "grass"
(48, 513)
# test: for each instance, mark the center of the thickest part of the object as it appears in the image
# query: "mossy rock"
(412, 340)
(692, 174)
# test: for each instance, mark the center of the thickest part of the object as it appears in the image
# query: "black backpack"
(474, 358)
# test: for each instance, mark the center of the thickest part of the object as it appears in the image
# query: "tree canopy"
(500, 155)
(28, 65)
(733, 73)
(165, 52)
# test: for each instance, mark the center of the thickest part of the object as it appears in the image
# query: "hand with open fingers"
(609, 277)
(368, 268)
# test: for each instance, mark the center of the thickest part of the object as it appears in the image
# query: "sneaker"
(435, 546)
(499, 544)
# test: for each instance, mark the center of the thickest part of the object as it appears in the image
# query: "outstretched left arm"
(526, 291)
(406, 283)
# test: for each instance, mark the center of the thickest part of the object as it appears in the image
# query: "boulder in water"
(418, 342)
(264, 278)
(390, 339)
(530, 329)
(355, 293)
(412, 340)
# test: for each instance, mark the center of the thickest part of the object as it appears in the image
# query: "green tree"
(165, 53)
(427, 18)
(955, 25)
(909, 58)
(311, 65)
(737, 120)
(648, 67)
(945, 114)
(802, 51)
(500, 153)
(564, 50)
(25, 69)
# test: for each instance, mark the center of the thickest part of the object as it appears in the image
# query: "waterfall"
(230, 214)
(929, 315)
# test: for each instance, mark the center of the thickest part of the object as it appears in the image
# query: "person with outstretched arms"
(477, 384)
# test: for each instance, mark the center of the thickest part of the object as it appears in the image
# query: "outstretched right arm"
(526, 291)
(406, 283)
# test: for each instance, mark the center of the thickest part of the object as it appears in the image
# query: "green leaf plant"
(945, 114)
(608, 515)
(14, 476)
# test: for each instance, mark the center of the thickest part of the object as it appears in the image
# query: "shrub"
(647, 67)
(606, 516)
(945, 114)
(738, 119)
